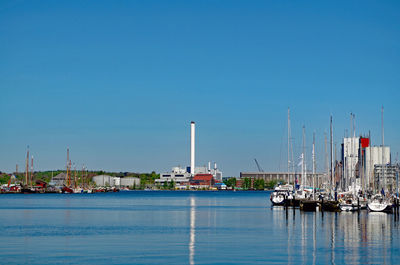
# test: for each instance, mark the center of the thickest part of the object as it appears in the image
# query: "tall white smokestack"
(192, 146)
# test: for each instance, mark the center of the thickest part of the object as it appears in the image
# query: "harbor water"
(183, 227)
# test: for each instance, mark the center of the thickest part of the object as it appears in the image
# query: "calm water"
(186, 228)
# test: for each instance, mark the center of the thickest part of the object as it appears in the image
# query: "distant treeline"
(258, 184)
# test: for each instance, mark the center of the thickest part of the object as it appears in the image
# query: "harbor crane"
(258, 166)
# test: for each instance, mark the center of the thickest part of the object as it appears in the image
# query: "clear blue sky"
(119, 81)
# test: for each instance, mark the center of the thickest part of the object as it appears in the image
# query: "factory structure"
(192, 176)
(365, 165)
(106, 180)
(288, 177)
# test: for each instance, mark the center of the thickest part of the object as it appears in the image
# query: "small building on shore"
(58, 180)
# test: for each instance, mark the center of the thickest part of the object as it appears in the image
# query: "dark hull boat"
(66, 189)
(28, 190)
(330, 206)
(309, 205)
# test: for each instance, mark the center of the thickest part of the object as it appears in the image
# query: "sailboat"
(349, 202)
(283, 194)
(379, 203)
(308, 202)
(329, 201)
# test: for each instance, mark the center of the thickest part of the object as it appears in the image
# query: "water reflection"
(314, 254)
(67, 223)
(360, 237)
(192, 230)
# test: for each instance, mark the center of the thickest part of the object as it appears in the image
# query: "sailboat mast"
(383, 157)
(27, 167)
(288, 147)
(68, 181)
(303, 167)
(353, 154)
(371, 174)
(82, 177)
(75, 182)
(326, 159)
(31, 178)
(331, 144)
(313, 165)
(345, 162)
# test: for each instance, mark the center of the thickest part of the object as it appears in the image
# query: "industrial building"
(178, 175)
(373, 159)
(129, 182)
(284, 176)
(200, 181)
(105, 180)
(182, 176)
(364, 166)
(350, 158)
(390, 175)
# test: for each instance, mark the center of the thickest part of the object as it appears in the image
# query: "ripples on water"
(187, 228)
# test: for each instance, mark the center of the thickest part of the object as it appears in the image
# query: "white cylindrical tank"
(192, 147)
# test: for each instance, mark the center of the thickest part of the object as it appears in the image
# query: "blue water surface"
(183, 227)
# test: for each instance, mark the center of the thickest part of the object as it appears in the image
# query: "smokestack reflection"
(192, 230)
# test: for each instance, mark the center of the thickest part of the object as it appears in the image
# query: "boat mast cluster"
(359, 181)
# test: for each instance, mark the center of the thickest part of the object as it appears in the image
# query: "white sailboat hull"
(348, 207)
(277, 199)
(379, 207)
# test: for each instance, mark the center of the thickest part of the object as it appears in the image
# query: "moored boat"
(309, 205)
(349, 203)
(282, 195)
(66, 189)
(378, 203)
